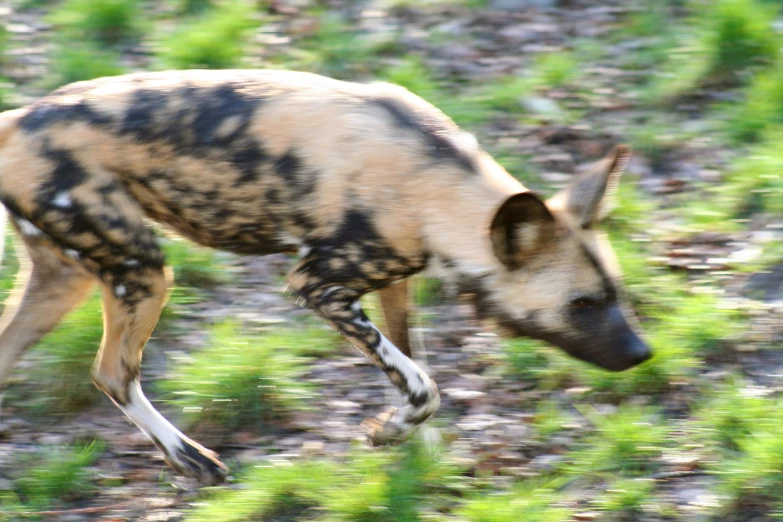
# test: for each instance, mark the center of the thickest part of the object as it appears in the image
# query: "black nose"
(641, 354)
(629, 351)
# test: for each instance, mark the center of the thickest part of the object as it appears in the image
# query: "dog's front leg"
(341, 307)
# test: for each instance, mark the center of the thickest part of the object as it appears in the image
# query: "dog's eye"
(583, 303)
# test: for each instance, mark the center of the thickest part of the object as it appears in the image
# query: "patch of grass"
(245, 379)
(427, 291)
(10, 263)
(110, 22)
(555, 69)
(389, 486)
(79, 61)
(652, 18)
(754, 476)
(656, 138)
(739, 35)
(550, 418)
(527, 501)
(755, 181)
(731, 39)
(761, 108)
(216, 39)
(193, 7)
(194, 266)
(702, 323)
(506, 94)
(706, 211)
(732, 414)
(629, 209)
(625, 498)
(411, 73)
(196, 269)
(526, 359)
(627, 442)
(56, 474)
(335, 48)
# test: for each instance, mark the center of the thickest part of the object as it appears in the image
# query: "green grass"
(82, 60)
(755, 181)
(110, 22)
(625, 498)
(10, 263)
(193, 7)
(337, 48)
(739, 35)
(467, 110)
(754, 476)
(556, 69)
(245, 379)
(214, 39)
(628, 442)
(529, 502)
(195, 268)
(722, 47)
(390, 486)
(761, 108)
(731, 414)
(50, 477)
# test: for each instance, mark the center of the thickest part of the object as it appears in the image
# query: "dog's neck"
(456, 228)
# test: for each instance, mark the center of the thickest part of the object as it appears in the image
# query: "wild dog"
(367, 182)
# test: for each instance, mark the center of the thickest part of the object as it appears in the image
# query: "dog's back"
(288, 156)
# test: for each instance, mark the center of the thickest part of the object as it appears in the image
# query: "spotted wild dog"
(368, 183)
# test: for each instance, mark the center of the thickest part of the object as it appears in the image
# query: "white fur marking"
(62, 200)
(71, 253)
(130, 262)
(393, 357)
(149, 420)
(27, 228)
(120, 290)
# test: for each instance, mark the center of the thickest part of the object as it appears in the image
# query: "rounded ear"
(589, 196)
(521, 226)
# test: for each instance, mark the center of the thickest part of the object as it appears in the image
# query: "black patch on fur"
(288, 166)
(47, 113)
(207, 470)
(357, 231)
(192, 128)
(436, 136)
(215, 107)
(247, 158)
(159, 445)
(67, 174)
(145, 108)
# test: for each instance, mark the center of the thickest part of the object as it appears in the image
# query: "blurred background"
(523, 433)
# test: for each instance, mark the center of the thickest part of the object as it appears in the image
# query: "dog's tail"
(8, 120)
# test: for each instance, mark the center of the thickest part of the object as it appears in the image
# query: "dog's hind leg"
(128, 323)
(47, 288)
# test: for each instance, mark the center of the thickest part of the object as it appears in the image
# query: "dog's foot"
(195, 461)
(384, 428)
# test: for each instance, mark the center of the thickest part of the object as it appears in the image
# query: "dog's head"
(557, 278)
